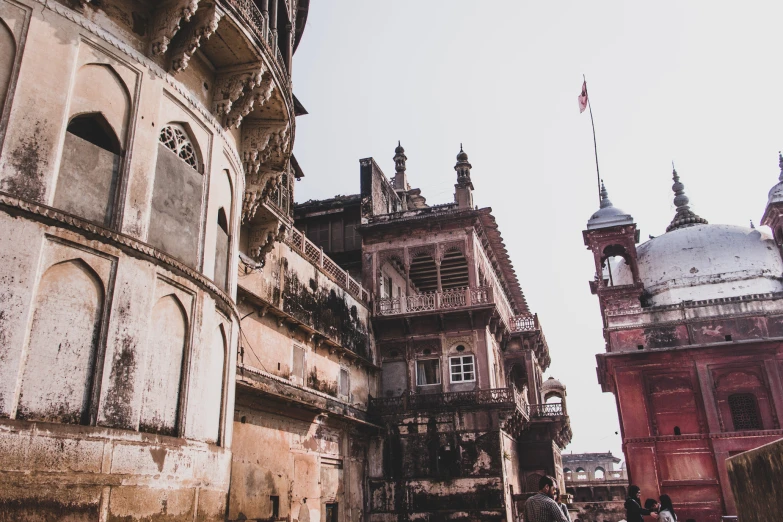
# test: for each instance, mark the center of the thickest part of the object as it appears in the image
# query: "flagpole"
(595, 144)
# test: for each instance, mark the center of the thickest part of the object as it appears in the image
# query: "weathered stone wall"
(756, 477)
(116, 359)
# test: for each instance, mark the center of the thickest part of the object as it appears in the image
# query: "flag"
(583, 98)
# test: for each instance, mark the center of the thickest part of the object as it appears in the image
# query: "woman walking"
(666, 514)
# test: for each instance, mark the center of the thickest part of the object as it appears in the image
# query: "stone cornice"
(137, 248)
(705, 436)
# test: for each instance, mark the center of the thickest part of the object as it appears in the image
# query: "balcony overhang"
(275, 392)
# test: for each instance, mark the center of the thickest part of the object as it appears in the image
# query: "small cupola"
(400, 181)
(608, 215)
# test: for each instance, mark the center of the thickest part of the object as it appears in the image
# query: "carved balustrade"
(555, 409)
(503, 397)
(455, 299)
(299, 242)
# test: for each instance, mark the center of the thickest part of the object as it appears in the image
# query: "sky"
(694, 83)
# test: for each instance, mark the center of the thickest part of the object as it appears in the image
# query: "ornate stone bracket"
(265, 144)
(263, 240)
(251, 100)
(168, 19)
(231, 86)
(203, 25)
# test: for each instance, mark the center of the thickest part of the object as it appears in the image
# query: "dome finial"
(605, 201)
(684, 217)
(780, 164)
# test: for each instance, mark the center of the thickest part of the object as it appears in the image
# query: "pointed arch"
(64, 339)
(89, 169)
(168, 337)
(214, 384)
(177, 195)
(112, 98)
(7, 60)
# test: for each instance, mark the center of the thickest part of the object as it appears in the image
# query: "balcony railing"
(299, 242)
(258, 23)
(509, 397)
(555, 409)
(453, 299)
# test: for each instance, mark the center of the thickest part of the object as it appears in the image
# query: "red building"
(693, 323)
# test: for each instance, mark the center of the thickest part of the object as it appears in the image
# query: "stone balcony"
(475, 399)
(456, 299)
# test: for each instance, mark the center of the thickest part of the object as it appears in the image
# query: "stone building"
(693, 321)
(141, 143)
(173, 348)
(466, 427)
(597, 488)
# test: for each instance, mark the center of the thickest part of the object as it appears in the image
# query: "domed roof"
(462, 156)
(608, 215)
(552, 384)
(399, 149)
(706, 262)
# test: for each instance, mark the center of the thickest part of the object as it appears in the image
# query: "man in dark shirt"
(542, 507)
(634, 512)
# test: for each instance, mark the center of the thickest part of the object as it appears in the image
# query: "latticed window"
(174, 138)
(462, 369)
(744, 412)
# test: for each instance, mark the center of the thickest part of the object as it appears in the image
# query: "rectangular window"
(298, 373)
(345, 382)
(462, 368)
(323, 235)
(427, 372)
(352, 239)
(275, 501)
(337, 236)
(331, 512)
(387, 286)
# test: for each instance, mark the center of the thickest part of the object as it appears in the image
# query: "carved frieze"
(167, 20)
(203, 25)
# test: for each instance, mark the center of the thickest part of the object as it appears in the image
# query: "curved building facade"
(136, 138)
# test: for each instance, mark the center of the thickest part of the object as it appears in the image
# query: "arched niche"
(599, 473)
(63, 344)
(7, 60)
(223, 230)
(617, 266)
(214, 370)
(177, 195)
(163, 369)
(89, 169)
(454, 270)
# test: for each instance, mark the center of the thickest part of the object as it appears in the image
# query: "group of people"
(546, 505)
(658, 509)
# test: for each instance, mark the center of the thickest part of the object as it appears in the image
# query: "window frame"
(461, 366)
(437, 372)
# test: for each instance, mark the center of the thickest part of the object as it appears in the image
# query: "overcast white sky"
(699, 83)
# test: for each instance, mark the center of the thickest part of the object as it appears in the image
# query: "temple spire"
(684, 217)
(605, 201)
(780, 164)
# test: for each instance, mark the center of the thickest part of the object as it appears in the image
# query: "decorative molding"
(168, 19)
(118, 239)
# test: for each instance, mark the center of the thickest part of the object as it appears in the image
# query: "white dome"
(707, 262)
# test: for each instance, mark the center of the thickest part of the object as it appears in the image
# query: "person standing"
(542, 507)
(559, 499)
(667, 514)
(634, 512)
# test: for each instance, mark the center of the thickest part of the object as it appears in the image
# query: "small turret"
(400, 181)
(463, 195)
